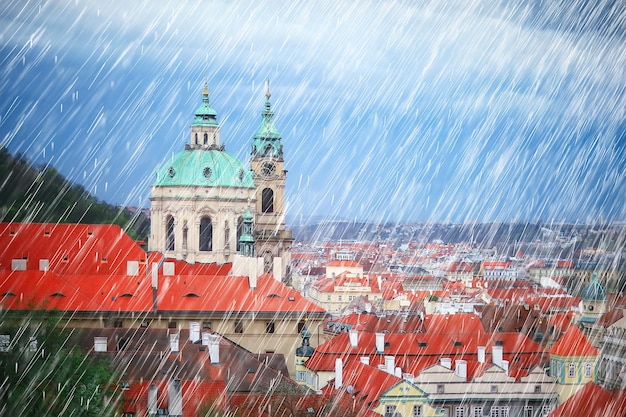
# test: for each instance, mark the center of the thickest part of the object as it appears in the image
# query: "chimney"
(354, 338)
(497, 355)
(398, 372)
(390, 364)
(194, 331)
(338, 373)
(380, 342)
(505, 365)
(214, 348)
(174, 338)
(446, 363)
(460, 369)
(175, 398)
(153, 394)
(408, 377)
(365, 360)
(481, 354)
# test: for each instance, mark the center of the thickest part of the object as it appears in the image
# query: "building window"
(528, 411)
(571, 370)
(477, 411)
(172, 325)
(99, 344)
(206, 235)
(417, 411)
(494, 389)
(300, 376)
(169, 234)
(588, 370)
(300, 327)
(118, 324)
(206, 138)
(390, 411)
(239, 327)
(267, 200)
(440, 389)
(499, 411)
(206, 325)
(537, 389)
(459, 411)
(269, 327)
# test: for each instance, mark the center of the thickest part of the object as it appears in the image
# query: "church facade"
(203, 197)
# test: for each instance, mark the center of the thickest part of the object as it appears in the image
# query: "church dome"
(594, 291)
(204, 167)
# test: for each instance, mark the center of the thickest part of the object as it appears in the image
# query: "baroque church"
(208, 207)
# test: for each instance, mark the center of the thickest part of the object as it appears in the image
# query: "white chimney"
(354, 338)
(175, 394)
(365, 360)
(497, 355)
(174, 338)
(380, 342)
(398, 372)
(153, 394)
(194, 331)
(446, 363)
(460, 368)
(338, 373)
(214, 348)
(205, 338)
(390, 364)
(408, 377)
(505, 366)
(482, 354)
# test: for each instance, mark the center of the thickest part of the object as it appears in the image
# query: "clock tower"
(273, 241)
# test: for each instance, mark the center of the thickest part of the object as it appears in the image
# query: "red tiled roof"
(70, 249)
(230, 293)
(25, 290)
(573, 343)
(592, 401)
(347, 264)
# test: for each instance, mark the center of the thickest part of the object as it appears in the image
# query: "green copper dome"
(594, 291)
(205, 115)
(202, 167)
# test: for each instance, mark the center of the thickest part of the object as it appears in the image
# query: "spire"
(205, 115)
(267, 140)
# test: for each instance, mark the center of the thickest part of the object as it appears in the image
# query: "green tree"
(44, 374)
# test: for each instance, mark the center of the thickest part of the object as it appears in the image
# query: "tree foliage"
(43, 374)
(42, 194)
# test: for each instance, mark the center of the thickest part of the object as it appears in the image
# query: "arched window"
(571, 370)
(206, 138)
(196, 141)
(169, 234)
(267, 200)
(268, 262)
(206, 235)
(588, 370)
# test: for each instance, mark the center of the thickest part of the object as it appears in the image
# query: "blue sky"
(389, 110)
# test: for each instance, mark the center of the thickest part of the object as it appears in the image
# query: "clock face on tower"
(268, 169)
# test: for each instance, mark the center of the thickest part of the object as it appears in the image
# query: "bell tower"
(273, 241)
